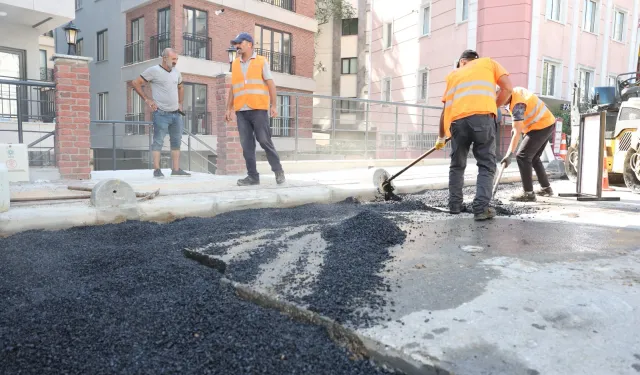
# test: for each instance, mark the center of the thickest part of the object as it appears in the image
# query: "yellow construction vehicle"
(622, 105)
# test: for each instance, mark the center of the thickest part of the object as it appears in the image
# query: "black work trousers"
(479, 130)
(254, 124)
(528, 156)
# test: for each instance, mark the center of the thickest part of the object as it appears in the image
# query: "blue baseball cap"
(241, 37)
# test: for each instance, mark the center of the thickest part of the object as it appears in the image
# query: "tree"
(337, 9)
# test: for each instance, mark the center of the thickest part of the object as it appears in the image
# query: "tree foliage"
(329, 9)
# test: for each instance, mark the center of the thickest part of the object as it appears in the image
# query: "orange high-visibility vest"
(471, 90)
(536, 116)
(251, 90)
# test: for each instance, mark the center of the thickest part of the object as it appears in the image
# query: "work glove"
(440, 143)
(506, 160)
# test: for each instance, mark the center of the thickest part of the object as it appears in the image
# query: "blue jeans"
(163, 123)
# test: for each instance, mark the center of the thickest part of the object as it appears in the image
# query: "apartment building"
(546, 45)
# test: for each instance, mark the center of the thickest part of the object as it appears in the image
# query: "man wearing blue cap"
(252, 96)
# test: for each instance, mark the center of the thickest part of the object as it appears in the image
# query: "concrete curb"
(169, 208)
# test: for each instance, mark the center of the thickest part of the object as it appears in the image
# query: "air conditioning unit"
(16, 158)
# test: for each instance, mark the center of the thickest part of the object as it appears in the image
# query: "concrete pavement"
(52, 206)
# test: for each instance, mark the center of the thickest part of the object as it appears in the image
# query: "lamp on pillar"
(232, 55)
(71, 32)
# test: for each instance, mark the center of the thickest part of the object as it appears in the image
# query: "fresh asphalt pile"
(123, 298)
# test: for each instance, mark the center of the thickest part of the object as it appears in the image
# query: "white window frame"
(561, 11)
(596, 21)
(460, 11)
(386, 81)
(611, 77)
(557, 88)
(78, 4)
(419, 82)
(103, 106)
(423, 8)
(625, 14)
(592, 81)
(387, 35)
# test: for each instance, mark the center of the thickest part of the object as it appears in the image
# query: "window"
(350, 65)
(553, 10)
(386, 89)
(590, 13)
(43, 59)
(137, 114)
(103, 42)
(618, 25)
(164, 20)
(195, 22)
(611, 81)
(425, 20)
(163, 39)
(423, 84)
(350, 26)
(348, 106)
(387, 34)
(550, 71)
(462, 10)
(137, 30)
(281, 126)
(195, 105)
(276, 46)
(80, 47)
(103, 104)
(585, 82)
(78, 4)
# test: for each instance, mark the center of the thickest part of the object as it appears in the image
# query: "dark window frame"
(105, 48)
(349, 26)
(342, 70)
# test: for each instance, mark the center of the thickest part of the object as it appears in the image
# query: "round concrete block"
(112, 193)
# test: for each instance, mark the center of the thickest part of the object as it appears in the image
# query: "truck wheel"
(631, 172)
(571, 164)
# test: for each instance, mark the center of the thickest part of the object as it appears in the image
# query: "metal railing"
(115, 149)
(27, 115)
(46, 74)
(198, 46)
(159, 43)
(280, 62)
(284, 4)
(282, 126)
(134, 52)
(133, 129)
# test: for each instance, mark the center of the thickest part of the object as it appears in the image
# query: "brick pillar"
(230, 159)
(73, 116)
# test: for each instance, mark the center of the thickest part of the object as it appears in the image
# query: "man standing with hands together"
(253, 97)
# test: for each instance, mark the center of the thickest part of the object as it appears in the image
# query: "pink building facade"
(546, 45)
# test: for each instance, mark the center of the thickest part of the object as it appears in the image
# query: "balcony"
(46, 74)
(159, 43)
(134, 52)
(284, 4)
(280, 62)
(198, 46)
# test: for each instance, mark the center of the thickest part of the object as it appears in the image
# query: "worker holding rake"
(469, 117)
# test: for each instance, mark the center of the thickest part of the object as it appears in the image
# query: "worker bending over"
(531, 117)
(469, 116)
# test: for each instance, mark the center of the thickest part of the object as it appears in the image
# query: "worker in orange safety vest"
(252, 97)
(532, 118)
(469, 117)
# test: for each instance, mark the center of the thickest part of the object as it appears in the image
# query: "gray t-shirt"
(266, 73)
(164, 86)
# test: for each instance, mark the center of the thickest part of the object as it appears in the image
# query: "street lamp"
(71, 31)
(232, 55)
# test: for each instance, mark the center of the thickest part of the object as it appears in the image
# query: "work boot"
(158, 173)
(545, 191)
(488, 213)
(180, 173)
(280, 177)
(247, 181)
(525, 196)
(455, 208)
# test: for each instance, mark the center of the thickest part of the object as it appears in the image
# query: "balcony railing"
(284, 4)
(134, 52)
(46, 74)
(282, 126)
(198, 46)
(198, 122)
(135, 129)
(159, 43)
(280, 62)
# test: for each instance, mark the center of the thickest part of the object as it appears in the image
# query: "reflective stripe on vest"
(537, 116)
(252, 90)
